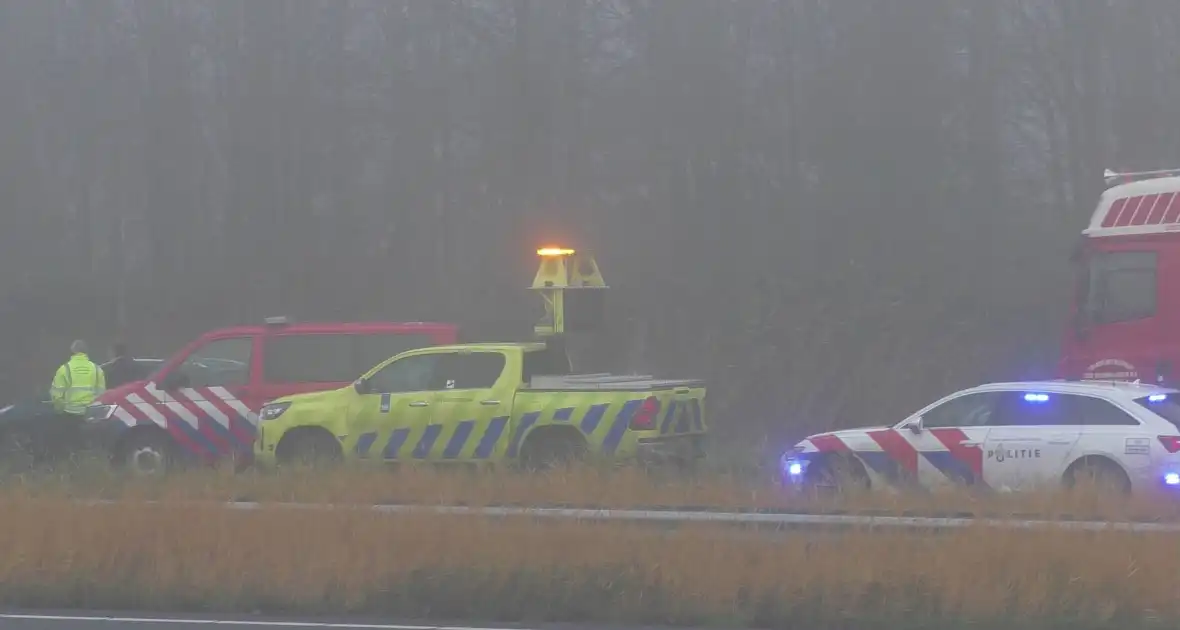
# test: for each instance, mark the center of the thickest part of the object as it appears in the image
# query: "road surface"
(81, 620)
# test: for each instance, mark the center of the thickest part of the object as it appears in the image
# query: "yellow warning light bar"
(554, 251)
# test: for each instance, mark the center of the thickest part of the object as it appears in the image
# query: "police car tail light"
(1171, 443)
(645, 417)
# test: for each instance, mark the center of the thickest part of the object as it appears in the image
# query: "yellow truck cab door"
(392, 414)
(472, 411)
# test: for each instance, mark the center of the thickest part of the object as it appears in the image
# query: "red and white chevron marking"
(151, 405)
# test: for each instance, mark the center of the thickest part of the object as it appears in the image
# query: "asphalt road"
(111, 621)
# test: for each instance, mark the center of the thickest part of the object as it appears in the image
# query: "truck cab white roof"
(1150, 206)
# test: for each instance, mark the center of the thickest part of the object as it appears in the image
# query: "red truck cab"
(203, 402)
(1123, 324)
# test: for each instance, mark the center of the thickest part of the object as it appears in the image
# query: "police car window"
(1122, 286)
(477, 370)
(410, 374)
(970, 410)
(219, 363)
(1035, 409)
(1167, 407)
(1095, 412)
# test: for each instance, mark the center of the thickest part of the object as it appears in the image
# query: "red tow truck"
(1124, 317)
(202, 404)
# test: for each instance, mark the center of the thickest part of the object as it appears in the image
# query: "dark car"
(135, 370)
(31, 432)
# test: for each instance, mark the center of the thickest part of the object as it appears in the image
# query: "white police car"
(1008, 436)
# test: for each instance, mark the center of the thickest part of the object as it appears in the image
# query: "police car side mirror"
(915, 426)
(361, 386)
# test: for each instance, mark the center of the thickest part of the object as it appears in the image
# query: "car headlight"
(98, 413)
(272, 411)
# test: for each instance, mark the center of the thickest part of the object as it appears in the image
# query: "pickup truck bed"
(605, 381)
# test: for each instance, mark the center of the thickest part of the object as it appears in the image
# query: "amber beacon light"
(549, 252)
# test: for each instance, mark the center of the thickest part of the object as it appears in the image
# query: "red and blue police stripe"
(897, 460)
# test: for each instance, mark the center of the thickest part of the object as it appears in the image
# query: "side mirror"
(361, 386)
(174, 380)
(915, 426)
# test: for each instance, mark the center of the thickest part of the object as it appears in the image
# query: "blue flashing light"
(1036, 398)
(1157, 398)
(1172, 479)
(797, 469)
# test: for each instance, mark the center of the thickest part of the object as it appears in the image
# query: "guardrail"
(782, 520)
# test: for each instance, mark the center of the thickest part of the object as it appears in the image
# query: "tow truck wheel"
(146, 453)
(548, 449)
(1098, 473)
(308, 447)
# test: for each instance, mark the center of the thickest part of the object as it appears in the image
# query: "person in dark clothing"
(121, 369)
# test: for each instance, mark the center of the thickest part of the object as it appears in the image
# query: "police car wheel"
(1099, 474)
(836, 475)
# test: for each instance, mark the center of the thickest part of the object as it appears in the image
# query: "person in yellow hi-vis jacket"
(77, 382)
(49, 437)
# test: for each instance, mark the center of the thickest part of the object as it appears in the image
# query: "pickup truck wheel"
(545, 451)
(308, 448)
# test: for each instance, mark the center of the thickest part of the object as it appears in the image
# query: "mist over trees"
(831, 210)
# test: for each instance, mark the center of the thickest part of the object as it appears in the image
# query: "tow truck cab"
(1123, 324)
(202, 403)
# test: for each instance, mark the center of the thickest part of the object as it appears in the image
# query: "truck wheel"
(146, 454)
(548, 450)
(308, 448)
(1098, 473)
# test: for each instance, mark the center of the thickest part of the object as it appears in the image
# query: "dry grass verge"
(587, 487)
(168, 557)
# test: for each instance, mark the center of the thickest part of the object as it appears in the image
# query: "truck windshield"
(1118, 286)
(1167, 408)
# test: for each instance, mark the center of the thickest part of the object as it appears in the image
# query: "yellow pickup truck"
(493, 403)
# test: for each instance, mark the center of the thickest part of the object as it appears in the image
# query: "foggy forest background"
(832, 210)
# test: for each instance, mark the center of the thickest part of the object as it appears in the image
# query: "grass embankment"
(592, 488)
(194, 556)
(57, 553)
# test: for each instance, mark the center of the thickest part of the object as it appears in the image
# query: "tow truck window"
(971, 410)
(1121, 287)
(1168, 408)
(331, 358)
(411, 374)
(369, 350)
(219, 363)
(478, 370)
